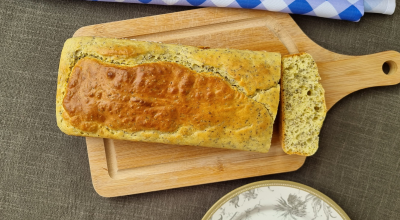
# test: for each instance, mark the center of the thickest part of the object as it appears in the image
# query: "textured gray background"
(44, 174)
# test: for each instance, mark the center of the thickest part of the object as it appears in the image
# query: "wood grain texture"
(122, 167)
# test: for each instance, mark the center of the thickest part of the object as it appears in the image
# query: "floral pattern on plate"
(276, 201)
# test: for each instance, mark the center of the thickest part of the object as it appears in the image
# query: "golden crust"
(251, 75)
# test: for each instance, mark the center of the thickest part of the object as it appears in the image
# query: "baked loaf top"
(303, 107)
(153, 92)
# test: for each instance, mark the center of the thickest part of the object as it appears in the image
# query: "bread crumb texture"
(164, 93)
(303, 107)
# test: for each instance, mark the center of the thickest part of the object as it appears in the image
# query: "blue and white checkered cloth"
(351, 10)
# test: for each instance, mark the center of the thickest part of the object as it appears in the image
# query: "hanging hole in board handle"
(389, 67)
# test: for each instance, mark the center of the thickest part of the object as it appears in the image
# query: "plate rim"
(265, 183)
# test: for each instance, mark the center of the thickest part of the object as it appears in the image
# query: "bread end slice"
(303, 107)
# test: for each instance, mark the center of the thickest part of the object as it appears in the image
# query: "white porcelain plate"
(275, 199)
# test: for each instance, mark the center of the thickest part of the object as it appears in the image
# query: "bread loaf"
(172, 94)
(303, 108)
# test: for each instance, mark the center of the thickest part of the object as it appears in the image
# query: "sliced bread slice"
(303, 107)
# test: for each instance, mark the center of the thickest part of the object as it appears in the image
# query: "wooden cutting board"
(121, 167)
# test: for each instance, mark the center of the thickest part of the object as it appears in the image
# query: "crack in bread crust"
(153, 96)
(243, 137)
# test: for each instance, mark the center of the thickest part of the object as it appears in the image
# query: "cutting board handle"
(340, 78)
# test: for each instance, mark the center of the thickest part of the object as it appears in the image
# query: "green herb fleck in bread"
(303, 108)
(164, 93)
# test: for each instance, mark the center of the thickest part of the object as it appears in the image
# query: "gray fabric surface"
(44, 174)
